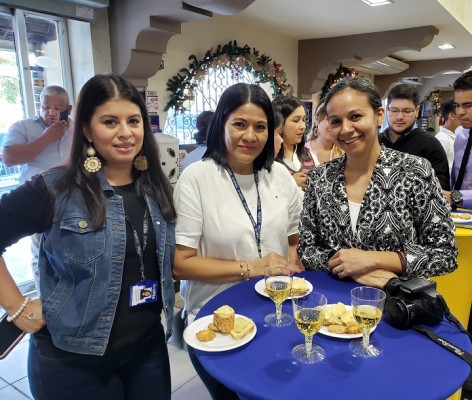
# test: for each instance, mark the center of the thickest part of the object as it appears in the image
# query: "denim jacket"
(81, 269)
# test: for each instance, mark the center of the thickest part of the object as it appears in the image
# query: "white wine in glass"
(309, 312)
(367, 307)
(278, 284)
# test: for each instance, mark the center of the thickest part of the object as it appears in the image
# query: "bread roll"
(223, 319)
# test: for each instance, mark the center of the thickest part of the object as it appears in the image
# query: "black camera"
(413, 301)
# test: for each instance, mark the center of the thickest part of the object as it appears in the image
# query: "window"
(205, 97)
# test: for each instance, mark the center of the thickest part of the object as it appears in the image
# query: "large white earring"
(92, 163)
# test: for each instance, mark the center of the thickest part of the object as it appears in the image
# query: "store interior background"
(148, 42)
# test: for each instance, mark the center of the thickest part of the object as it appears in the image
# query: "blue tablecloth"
(410, 367)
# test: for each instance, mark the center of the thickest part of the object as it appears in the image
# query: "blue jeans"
(141, 372)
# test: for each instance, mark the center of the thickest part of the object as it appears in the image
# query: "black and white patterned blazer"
(403, 210)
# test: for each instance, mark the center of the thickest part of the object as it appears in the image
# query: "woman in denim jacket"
(107, 220)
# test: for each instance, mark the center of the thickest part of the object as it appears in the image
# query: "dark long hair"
(232, 98)
(286, 105)
(97, 91)
(359, 84)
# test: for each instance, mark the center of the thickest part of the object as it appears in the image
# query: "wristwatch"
(456, 198)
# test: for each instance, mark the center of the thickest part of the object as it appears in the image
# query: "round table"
(410, 367)
(455, 287)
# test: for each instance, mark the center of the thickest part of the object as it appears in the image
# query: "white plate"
(222, 341)
(260, 288)
(461, 220)
(324, 330)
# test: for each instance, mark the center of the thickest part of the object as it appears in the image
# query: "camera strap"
(467, 357)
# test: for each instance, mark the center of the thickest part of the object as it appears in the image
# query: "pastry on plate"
(223, 319)
(242, 326)
(299, 287)
(206, 335)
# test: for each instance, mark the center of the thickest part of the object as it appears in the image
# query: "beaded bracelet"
(20, 310)
(248, 270)
(243, 263)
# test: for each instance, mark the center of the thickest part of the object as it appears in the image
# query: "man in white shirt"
(40, 143)
(446, 134)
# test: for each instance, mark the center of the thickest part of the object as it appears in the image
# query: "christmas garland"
(232, 56)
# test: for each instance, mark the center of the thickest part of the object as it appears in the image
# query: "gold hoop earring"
(140, 163)
(92, 163)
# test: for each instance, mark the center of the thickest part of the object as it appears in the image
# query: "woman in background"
(237, 210)
(321, 145)
(108, 232)
(203, 121)
(293, 154)
(278, 135)
(373, 213)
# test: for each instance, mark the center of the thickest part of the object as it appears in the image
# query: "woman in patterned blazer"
(374, 213)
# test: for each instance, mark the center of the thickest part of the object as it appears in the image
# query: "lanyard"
(256, 225)
(137, 243)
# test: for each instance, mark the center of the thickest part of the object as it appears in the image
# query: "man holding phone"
(40, 143)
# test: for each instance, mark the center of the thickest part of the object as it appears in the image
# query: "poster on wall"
(152, 102)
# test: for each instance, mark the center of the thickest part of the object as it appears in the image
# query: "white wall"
(198, 37)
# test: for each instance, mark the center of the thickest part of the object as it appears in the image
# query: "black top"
(420, 143)
(131, 324)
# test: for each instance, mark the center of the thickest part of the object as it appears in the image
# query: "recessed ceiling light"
(374, 3)
(446, 46)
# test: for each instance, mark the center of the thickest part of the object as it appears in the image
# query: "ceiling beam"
(426, 69)
(318, 57)
(141, 29)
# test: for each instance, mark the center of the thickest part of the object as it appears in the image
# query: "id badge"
(143, 292)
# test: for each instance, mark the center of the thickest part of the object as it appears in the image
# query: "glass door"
(34, 53)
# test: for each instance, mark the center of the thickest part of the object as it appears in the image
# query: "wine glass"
(367, 307)
(309, 312)
(278, 283)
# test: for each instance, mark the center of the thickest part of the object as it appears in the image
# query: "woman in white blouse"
(237, 210)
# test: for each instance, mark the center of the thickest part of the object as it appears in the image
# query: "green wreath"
(230, 55)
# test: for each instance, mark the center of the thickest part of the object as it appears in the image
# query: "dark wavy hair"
(447, 108)
(97, 91)
(404, 91)
(464, 82)
(359, 84)
(232, 98)
(286, 105)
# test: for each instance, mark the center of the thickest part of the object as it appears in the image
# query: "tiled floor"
(185, 382)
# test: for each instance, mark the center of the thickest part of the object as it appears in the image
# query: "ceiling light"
(446, 46)
(374, 3)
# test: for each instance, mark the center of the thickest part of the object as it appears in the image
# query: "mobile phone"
(64, 114)
(10, 336)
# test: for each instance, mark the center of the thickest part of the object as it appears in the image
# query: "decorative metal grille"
(204, 97)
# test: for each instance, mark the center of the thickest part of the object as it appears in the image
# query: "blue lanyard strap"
(256, 225)
(137, 243)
